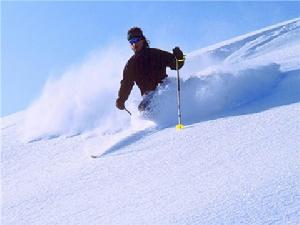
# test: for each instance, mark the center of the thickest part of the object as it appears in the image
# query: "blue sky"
(39, 39)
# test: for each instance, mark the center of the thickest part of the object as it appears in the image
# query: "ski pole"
(128, 111)
(179, 126)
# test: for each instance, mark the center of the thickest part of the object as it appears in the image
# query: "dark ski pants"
(145, 103)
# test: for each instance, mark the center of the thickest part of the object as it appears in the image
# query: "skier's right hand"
(120, 104)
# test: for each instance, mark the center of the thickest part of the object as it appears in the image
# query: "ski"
(95, 156)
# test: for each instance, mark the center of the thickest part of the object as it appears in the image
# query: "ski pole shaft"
(178, 94)
(128, 111)
(179, 125)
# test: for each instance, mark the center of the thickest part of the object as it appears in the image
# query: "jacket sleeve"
(169, 60)
(126, 84)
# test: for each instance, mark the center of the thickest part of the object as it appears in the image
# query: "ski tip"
(96, 156)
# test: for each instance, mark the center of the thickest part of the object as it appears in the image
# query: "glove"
(120, 104)
(177, 53)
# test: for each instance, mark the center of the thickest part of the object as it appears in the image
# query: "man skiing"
(146, 68)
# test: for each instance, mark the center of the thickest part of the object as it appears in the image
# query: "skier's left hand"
(177, 53)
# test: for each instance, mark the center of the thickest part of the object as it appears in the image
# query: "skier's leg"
(144, 104)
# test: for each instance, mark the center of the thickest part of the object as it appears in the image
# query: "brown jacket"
(147, 69)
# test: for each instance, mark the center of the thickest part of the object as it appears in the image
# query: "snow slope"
(236, 162)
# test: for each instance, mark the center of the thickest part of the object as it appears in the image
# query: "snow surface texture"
(236, 162)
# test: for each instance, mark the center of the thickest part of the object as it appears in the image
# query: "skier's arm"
(126, 86)
(170, 59)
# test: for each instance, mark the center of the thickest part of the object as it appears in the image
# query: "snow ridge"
(231, 74)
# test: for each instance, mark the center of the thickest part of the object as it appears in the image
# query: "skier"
(146, 68)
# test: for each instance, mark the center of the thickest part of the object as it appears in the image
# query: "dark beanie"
(134, 32)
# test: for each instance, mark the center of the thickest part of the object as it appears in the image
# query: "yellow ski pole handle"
(181, 60)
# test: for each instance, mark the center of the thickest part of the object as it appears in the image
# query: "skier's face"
(137, 46)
